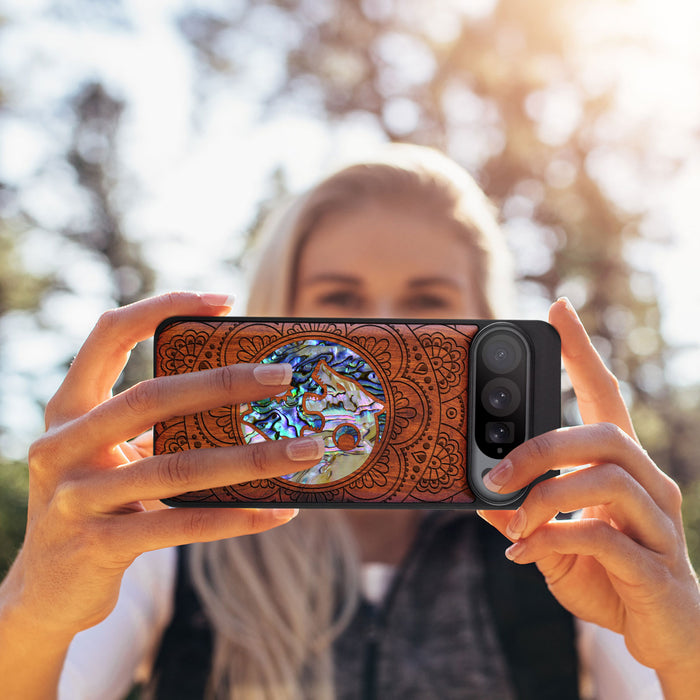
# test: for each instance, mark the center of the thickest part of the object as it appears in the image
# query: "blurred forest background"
(580, 119)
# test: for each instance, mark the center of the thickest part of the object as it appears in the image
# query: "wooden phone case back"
(389, 399)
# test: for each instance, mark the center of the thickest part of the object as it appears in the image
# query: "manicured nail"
(218, 300)
(568, 306)
(273, 374)
(517, 525)
(498, 477)
(515, 550)
(305, 449)
(285, 514)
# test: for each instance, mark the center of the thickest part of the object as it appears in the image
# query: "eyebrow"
(332, 277)
(354, 281)
(433, 281)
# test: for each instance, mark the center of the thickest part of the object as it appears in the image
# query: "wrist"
(32, 656)
(20, 621)
(26, 631)
(682, 681)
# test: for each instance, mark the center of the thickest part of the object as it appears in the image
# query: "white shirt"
(104, 661)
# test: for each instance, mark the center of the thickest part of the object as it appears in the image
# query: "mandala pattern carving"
(388, 400)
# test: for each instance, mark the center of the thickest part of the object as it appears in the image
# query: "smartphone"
(412, 413)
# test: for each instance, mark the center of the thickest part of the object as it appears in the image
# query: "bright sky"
(203, 185)
(672, 67)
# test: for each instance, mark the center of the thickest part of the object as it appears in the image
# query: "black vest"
(534, 635)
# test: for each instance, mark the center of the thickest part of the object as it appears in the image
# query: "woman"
(409, 236)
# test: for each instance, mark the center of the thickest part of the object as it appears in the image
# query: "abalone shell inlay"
(335, 393)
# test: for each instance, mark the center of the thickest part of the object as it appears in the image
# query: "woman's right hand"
(87, 516)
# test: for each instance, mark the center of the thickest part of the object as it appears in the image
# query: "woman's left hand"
(623, 564)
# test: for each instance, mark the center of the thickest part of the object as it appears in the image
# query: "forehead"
(378, 238)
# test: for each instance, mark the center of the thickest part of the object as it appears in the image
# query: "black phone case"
(391, 399)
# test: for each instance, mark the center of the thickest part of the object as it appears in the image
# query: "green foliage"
(691, 521)
(14, 483)
(18, 289)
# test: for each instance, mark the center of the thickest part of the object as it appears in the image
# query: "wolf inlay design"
(330, 396)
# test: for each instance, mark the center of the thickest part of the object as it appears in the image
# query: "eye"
(427, 302)
(341, 299)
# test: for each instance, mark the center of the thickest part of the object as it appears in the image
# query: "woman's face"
(385, 261)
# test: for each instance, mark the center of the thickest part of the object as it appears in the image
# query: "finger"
(497, 518)
(614, 550)
(606, 486)
(143, 444)
(131, 452)
(156, 529)
(596, 388)
(138, 448)
(138, 408)
(165, 476)
(105, 352)
(576, 446)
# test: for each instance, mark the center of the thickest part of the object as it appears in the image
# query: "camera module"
(505, 402)
(500, 397)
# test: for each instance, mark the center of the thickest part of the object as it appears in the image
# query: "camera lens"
(502, 353)
(500, 396)
(499, 432)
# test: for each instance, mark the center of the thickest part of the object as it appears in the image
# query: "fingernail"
(304, 449)
(515, 550)
(285, 514)
(569, 306)
(498, 477)
(273, 374)
(218, 300)
(517, 525)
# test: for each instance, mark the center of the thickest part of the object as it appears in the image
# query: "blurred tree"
(501, 87)
(97, 233)
(92, 235)
(19, 290)
(13, 510)
(94, 156)
(691, 519)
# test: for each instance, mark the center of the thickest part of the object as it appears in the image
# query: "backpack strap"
(536, 633)
(183, 664)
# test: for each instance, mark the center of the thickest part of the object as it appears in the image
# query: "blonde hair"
(404, 175)
(277, 600)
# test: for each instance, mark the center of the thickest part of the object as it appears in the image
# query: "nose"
(383, 307)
